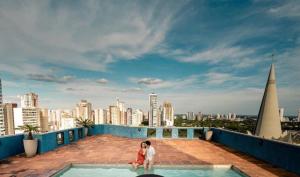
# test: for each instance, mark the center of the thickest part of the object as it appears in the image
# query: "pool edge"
(68, 166)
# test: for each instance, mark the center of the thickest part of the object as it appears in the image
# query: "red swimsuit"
(140, 158)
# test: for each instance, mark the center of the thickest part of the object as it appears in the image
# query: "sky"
(209, 56)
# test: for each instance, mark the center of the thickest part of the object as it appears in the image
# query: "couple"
(145, 156)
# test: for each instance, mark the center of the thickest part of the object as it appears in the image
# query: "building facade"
(114, 113)
(168, 114)
(30, 100)
(281, 114)
(1, 98)
(100, 116)
(84, 110)
(299, 115)
(153, 112)
(190, 116)
(30, 116)
(2, 123)
(129, 116)
(9, 118)
(137, 117)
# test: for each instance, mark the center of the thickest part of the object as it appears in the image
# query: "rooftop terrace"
(111, 149)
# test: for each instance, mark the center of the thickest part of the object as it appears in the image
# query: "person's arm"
(144, 151)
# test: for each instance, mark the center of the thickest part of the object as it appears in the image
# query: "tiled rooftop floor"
(107, 149)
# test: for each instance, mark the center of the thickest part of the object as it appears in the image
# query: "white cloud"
(50, 78)
(88, 35)
(102, 81)
(157, 83)
(218, 54)
(287, 9)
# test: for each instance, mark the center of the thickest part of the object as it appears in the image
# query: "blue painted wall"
(174, 132)
(279, 154)
(48, 141)
(190, 133)
(159, 132)
(11, 145)
(118, 130)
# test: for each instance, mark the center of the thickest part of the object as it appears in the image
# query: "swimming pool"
(84, 170)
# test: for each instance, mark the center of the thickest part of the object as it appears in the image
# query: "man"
(150, 152)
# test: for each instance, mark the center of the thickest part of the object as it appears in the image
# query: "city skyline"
(184, 54)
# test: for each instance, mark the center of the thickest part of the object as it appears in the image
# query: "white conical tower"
(268, 123)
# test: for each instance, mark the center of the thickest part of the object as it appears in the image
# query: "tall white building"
(190, 116)
(129, 116)
(29, 115)
(153, 112)
(281, 114)
(84, 110)
(114, 113)
(29, 100)
(54, 119)
(168, 114)
(100, 116)
(121, 106)
(137, 117)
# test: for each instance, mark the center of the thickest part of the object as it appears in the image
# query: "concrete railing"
(11, 145)
(280, 154)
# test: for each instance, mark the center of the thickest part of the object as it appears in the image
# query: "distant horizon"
(207, 56)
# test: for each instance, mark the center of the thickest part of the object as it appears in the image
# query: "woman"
(140, 156)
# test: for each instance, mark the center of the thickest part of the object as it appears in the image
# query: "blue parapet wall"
(11, 145)
(48, 141)
(279, 154)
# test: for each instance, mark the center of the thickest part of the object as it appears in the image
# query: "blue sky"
(209, 56)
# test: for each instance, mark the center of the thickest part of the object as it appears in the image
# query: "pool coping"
(96, 165)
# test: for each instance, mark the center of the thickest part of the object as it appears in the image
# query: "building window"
(71, 135)
(167, 132)
(60, 138)
(182, 133)
(151, 132)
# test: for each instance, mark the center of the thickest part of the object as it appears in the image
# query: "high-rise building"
(29, 100)
(67, 119)
(281, 114)
(234, 116)
(121, 106)
(168, 114)
(199, 116)
(299, 115)
(114, 113)
(1, 98)
(229, 115)
(137, 117)
(9, 118)
(29, 115)
(84, 110)
(268, 123)
(55, 119)
(129, 116)
(100, 116)
(190, 116)
(153, 112)
(44, 124)
(2, 123)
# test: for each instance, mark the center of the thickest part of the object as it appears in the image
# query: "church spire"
(268, 122)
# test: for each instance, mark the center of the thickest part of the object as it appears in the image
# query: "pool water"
(88, 171)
